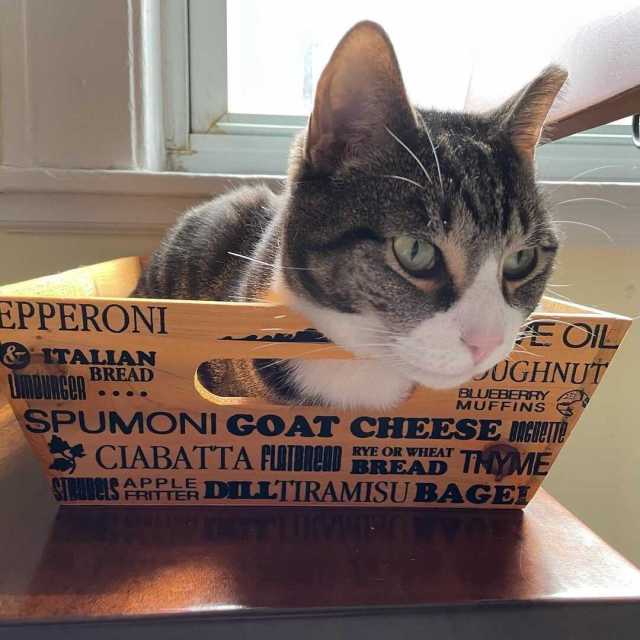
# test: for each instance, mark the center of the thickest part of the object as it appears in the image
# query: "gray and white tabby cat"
(415, 239)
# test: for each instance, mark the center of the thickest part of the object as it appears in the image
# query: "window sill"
(135, 202)
(133, 183)
(116, 202)
(249, 144)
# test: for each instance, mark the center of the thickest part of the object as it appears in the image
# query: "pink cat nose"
(481, 346)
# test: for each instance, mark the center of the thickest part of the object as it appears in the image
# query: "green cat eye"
(520, 264)
(418, 257)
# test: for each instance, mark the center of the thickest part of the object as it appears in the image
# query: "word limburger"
(44, 387)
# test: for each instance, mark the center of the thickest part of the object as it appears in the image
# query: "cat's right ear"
(359, 95)
(524, 115)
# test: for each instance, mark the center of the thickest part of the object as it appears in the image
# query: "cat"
(416, 239)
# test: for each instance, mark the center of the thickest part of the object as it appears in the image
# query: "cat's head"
(416, 237)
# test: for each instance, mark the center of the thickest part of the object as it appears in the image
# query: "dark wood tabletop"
(164, 572)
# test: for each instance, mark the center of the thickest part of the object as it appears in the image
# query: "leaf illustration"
(77, 451)
(58, 445)
(61, 464)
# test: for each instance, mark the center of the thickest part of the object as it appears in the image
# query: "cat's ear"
(359, 95)
(524, 114)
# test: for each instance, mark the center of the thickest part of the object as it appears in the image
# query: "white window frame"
(204, 137)
(201, 135)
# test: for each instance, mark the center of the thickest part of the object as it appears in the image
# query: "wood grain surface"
(488, 444)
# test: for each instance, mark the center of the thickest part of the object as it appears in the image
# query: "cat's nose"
(481, 346)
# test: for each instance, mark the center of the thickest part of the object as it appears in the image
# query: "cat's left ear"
(524, 114)
(359, 96)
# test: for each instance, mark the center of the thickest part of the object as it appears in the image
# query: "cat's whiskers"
(363, 344)
(559, 295)
(585, 224)
(568, 324)
(243, 298)
(391, 340)
(377, 330)
(273, 267)
(524, 335)
(524, 351)
(435, 155)
(261, 347)
(411, 153)
(387, 358)
(588, 226)
(528, 331)
(297, 356)
(588, 171)
(413, 182)
(373, 344)
(590, 198)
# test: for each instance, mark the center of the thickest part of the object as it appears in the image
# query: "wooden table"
(313, 573)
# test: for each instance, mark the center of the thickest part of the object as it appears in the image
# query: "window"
(222, 86)
(240, 75)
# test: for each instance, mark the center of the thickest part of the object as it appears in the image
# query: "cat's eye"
(416, 256)
(519, 264)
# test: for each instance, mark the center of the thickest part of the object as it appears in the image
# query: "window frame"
(204, 137)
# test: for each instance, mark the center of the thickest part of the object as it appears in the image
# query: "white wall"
(74, 105)
(597, 474)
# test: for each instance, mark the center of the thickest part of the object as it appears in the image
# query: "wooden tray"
(104, 387)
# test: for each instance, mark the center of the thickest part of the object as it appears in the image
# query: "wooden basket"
(105, 390)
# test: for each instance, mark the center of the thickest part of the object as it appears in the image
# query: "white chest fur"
(350, 384)
(369, 382)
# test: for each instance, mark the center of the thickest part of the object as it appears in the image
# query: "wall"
(597, 475)
(28, 255)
